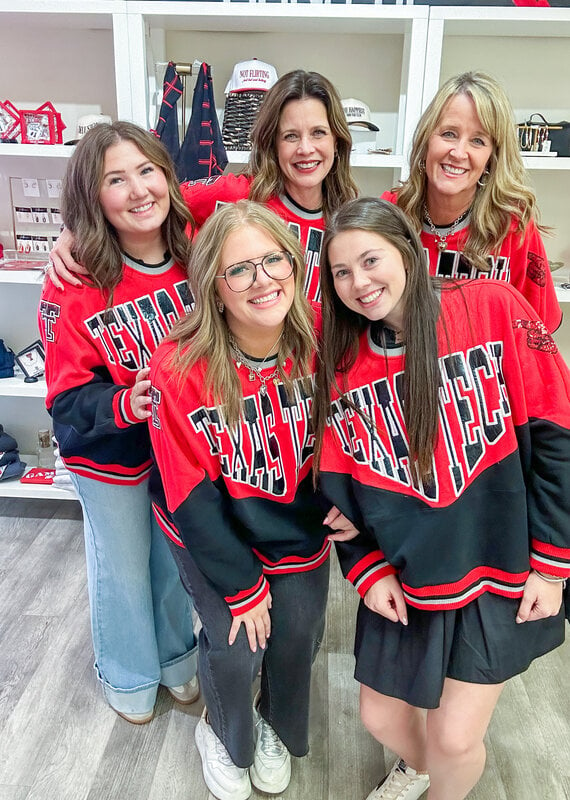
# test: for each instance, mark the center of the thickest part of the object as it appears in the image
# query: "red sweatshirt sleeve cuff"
(248, 598)
(370, 569)
(122, 409)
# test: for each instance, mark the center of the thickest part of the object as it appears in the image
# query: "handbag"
(535, 132)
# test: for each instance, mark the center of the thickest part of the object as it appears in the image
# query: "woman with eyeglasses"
(232, 437)
(299, 167)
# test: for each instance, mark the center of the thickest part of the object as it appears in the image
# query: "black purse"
(536, 131)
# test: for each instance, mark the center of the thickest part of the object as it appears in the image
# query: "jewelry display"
(242, 359)
(441, 239)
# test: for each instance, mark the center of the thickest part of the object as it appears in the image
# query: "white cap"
(250, 76)
(87, 122)
(358, 113)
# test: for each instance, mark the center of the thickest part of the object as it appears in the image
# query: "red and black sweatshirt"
(499, 501)
(93, 354)
(241, 500)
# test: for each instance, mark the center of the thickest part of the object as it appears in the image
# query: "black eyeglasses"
(241, 276)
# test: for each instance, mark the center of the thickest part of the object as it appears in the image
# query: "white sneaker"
(224, 780)
(271, 768)
(188, 693)
(401, 783)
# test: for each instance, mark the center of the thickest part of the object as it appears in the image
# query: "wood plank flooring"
(60, 741)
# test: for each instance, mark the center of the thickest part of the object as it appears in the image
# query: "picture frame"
(38, 127)
(32, 360)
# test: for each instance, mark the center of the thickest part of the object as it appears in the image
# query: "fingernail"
(404, 620)
(518, 620)
(326, 520)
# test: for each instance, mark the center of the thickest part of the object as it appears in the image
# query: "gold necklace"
(441, 241)
(255, 371)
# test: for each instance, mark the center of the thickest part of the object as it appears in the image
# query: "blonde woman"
(468, 195)
(232, 436)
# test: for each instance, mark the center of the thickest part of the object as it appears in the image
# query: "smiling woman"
(468, 196)
(122, 201)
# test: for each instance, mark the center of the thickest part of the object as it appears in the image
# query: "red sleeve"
(201, 514)
(531, 275)
(202, 197)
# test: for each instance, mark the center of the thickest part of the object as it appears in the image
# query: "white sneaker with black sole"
(401, 783)
(224, 780)
(271, 768)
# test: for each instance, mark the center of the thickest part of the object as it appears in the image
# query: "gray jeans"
(227, 673)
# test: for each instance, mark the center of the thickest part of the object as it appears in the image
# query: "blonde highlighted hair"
(506, 191)
(204, 334)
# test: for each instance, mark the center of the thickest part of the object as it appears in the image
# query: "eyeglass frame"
(255, 265)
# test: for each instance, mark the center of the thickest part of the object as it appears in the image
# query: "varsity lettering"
(130, 332)
(473, 402)
(452, 264)
(252, 453)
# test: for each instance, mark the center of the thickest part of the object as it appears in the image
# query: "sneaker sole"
(269, 788)
(219, 792)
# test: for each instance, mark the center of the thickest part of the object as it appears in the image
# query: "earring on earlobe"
(481, 182)
(220, 306)
(422, 166)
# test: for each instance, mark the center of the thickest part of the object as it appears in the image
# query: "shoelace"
(270, 743)
(222, 754)
(398, 782)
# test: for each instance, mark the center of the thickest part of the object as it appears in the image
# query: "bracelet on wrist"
(551, 578)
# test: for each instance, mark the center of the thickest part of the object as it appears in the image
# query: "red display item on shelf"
(59, 123)
(38, 475)
(41, 126)
(9, 120)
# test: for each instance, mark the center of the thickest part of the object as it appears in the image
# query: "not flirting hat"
(245, 93)
(358, 113)
(87, 122)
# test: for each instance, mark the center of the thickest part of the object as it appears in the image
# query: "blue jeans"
(227, 673)
(141, 618)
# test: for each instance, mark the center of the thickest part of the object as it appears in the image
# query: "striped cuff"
(248, 598)
(550, 559)
(369, 570)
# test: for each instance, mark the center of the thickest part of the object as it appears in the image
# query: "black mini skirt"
(479, 643)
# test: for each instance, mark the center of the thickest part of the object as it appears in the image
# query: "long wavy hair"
(338, 185)
(506, 190)
(343, 327)
(204, 334)
(96, 240)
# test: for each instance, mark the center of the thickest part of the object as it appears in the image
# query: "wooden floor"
(60, 741)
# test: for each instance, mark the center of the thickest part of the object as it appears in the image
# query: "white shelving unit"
(107, 56)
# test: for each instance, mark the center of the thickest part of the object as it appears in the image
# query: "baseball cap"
(86, 122)
(7, 442)
(253, 75)
(358, 113)
(245, 93)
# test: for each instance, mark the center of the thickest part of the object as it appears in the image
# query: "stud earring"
(220, 306)
(422, 166)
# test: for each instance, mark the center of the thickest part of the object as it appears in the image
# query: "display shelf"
(24, 276)
(33, 491)
(15, 387)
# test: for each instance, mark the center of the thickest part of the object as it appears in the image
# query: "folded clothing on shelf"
(10, 464)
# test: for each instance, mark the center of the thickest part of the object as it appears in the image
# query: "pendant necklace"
(255, 371)
(441, 240)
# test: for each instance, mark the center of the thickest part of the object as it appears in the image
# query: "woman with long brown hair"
(122, 201)
(442, 417)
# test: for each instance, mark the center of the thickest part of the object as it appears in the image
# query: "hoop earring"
(481, 182)
(220, 306)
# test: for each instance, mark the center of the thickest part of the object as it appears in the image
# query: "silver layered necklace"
(254, 373)
(441, 240)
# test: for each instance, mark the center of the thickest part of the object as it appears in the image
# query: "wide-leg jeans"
(141, 616)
